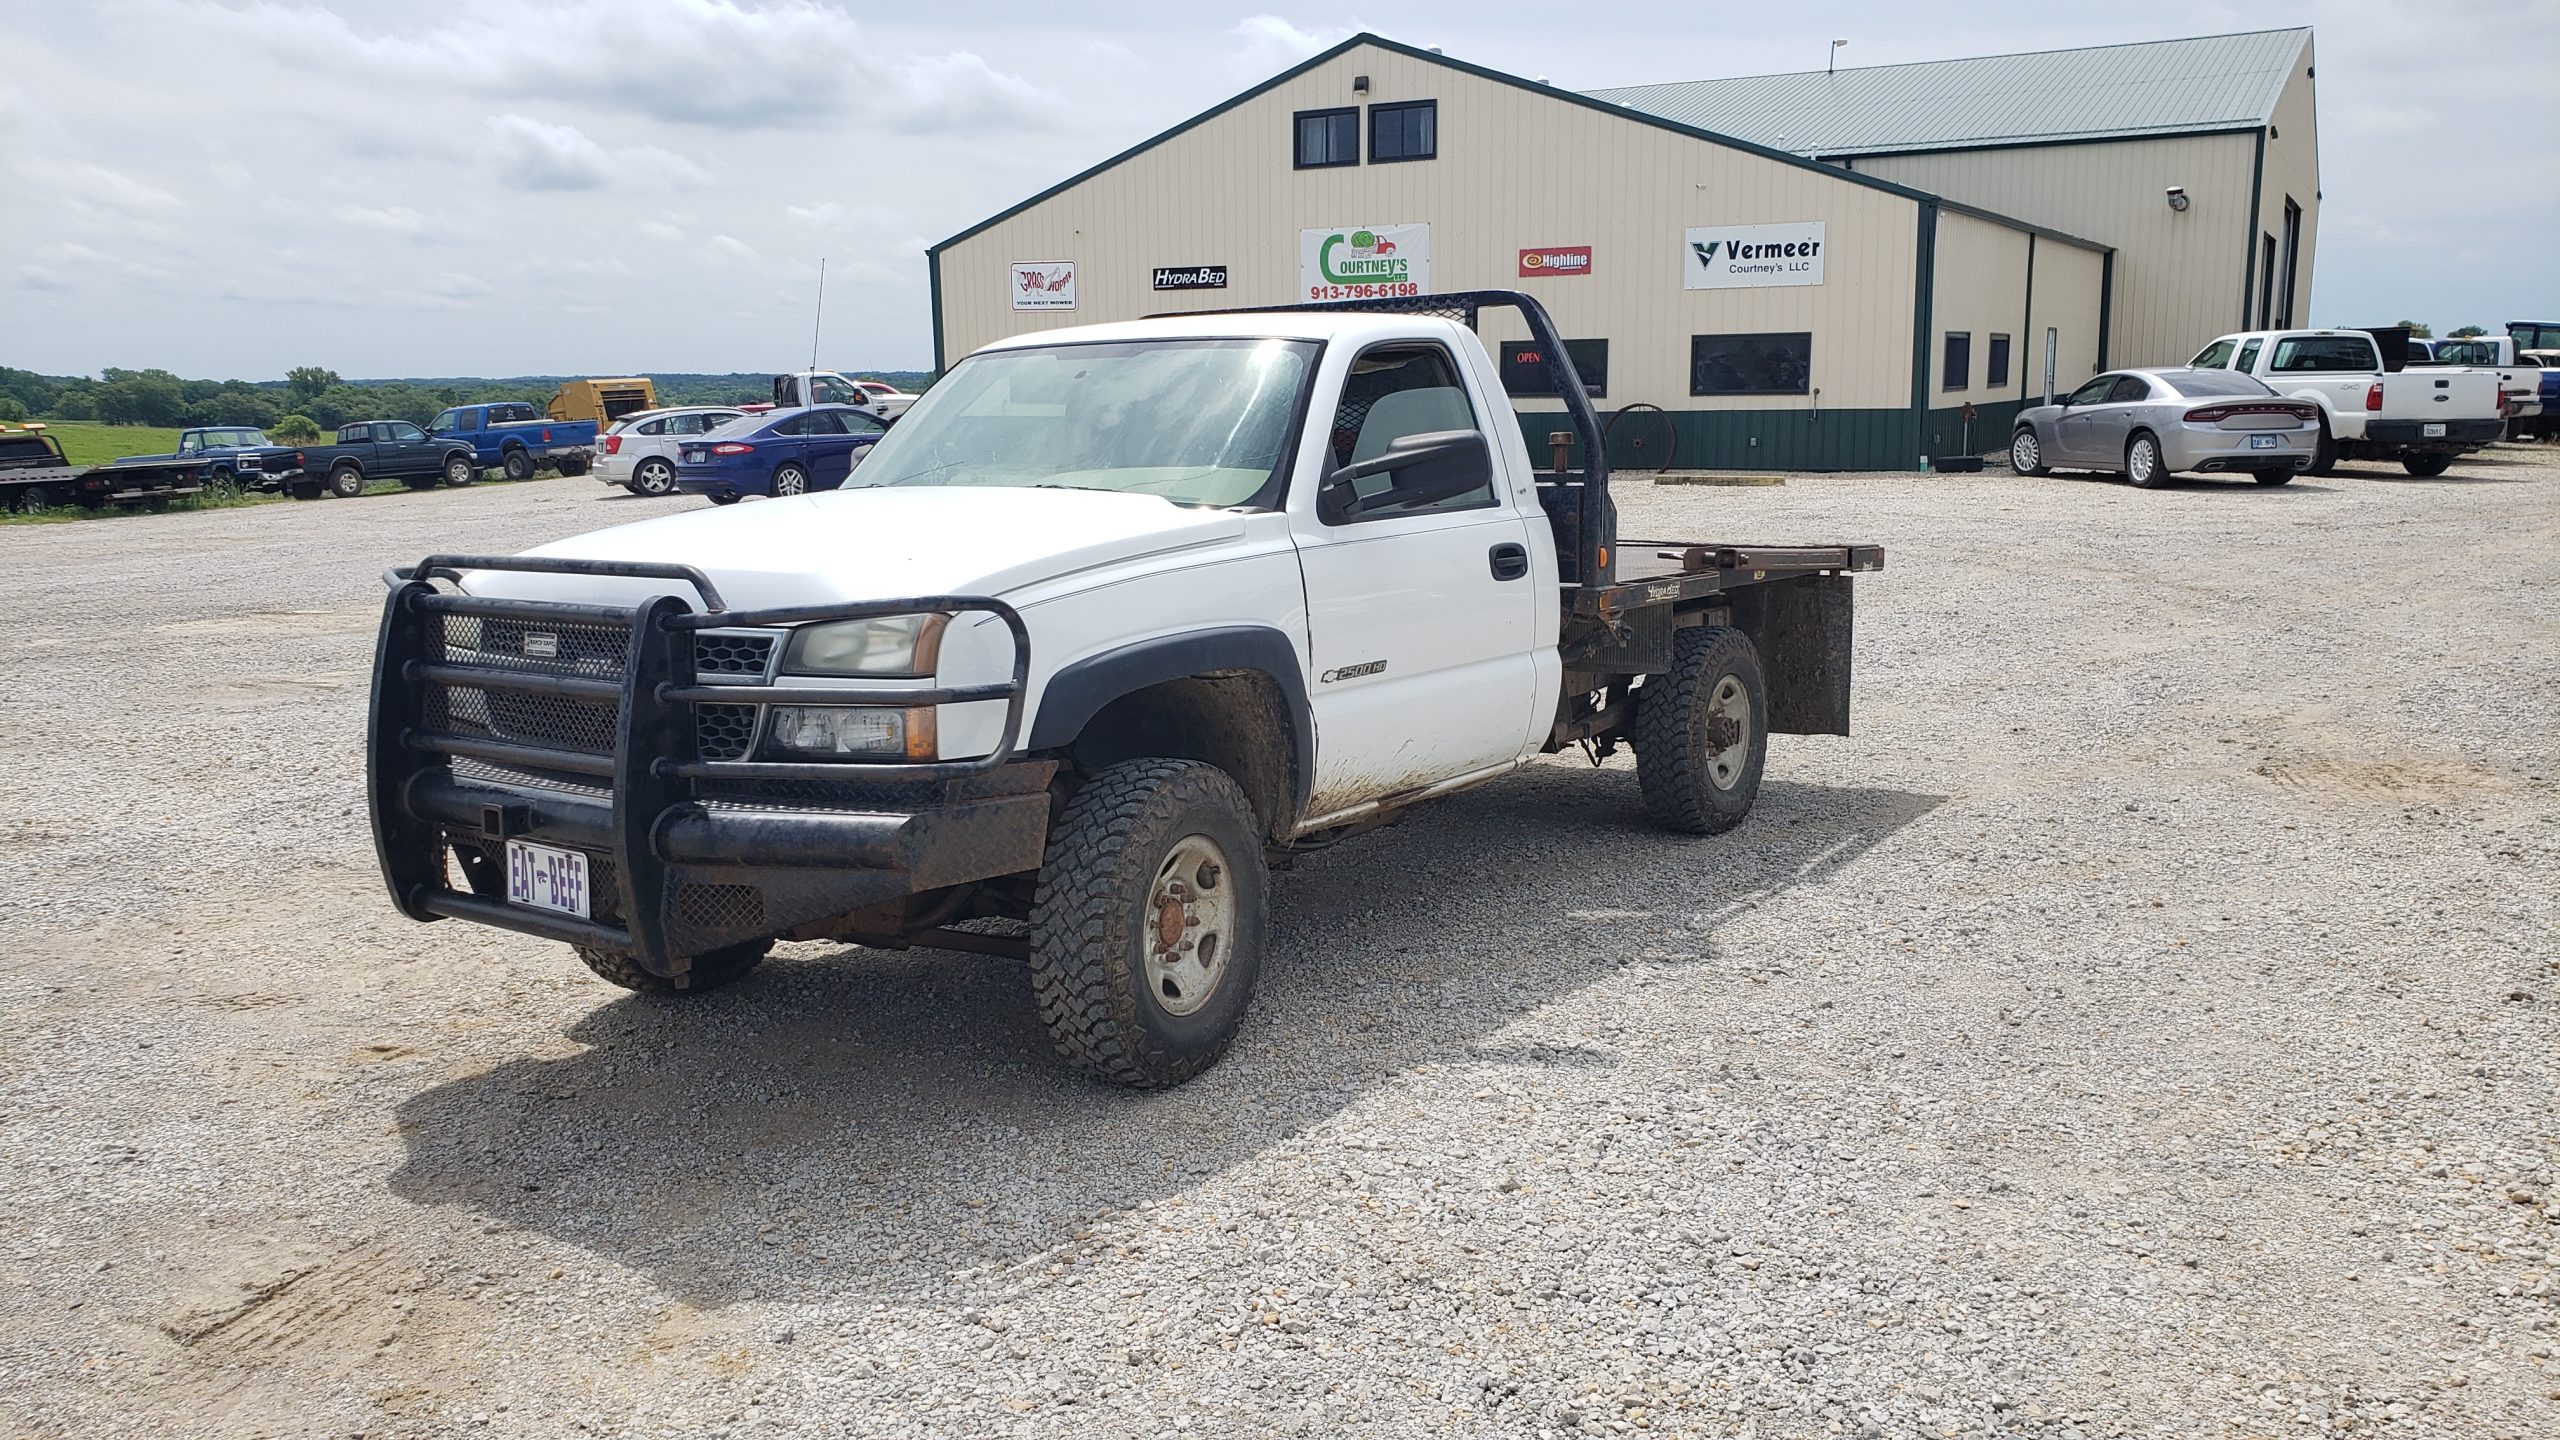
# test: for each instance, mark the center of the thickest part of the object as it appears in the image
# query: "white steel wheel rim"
(2146, 459)
(1728, 732)
(1189, 924)
(788, 483)
(2024, 452)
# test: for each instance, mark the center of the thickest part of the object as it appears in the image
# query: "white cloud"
(704, 62)
(1273, 43)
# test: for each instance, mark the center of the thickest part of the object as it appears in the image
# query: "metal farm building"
(1809, 271)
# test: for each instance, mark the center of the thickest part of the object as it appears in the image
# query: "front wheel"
(459, 471)
(790, 480)
(1701, 732)
(1146, 936)
(2143, 465)
(653, 478)
(2026, 454)
(518, 464)
(2426, 466)
(222, 485)
(722, 967)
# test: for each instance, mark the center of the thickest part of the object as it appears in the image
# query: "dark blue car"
(780, 452)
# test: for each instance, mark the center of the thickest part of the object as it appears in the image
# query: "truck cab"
(513, 437)
(1119, 616)
(2370, 409)
(804, 388)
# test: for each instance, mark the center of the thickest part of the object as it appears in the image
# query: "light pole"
(1830, 66)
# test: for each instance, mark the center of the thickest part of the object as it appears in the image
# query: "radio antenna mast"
(820, 318)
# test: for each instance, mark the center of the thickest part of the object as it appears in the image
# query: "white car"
(639, 452)
(1081, 645)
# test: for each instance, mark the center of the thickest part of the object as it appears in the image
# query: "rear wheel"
(41, 497)
(2426, 465)
(2324, 453)
(708, 972)
(346, 482)
(2143, 465)
(2276, 477)
(2026, 453)
(790, 480)
(654, 477)
(518, 464)
(459, 471)
(1146, 936)
(1701, 732)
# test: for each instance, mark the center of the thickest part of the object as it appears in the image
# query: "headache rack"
(628, 732)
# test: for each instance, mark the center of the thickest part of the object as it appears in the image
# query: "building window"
(2266, 280)
(1763, 364)
(1410, 131)
(1524, 367)
(1328, 137)
(1957, 373)
(1996, 363)
(2292, 261)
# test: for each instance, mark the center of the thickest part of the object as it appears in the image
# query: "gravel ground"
(2142, 1026)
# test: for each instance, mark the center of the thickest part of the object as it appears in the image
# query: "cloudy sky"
(234, 187)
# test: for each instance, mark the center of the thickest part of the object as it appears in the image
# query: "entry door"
(1419, 621)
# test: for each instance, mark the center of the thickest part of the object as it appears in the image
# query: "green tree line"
(157, 397)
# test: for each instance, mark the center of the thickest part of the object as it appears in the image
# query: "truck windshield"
(1199, 422)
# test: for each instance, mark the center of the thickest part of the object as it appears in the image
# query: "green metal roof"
(2160, 87)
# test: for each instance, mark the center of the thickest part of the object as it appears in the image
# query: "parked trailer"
(35, 475)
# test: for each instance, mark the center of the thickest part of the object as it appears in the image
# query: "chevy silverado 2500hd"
(1116, 614)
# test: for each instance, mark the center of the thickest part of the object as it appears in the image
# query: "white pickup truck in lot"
(2519, 379)
(1119, 616)
(2421, 418)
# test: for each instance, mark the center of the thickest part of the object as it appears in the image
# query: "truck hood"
(876, 544)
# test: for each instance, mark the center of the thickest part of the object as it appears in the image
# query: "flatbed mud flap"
(1802, 628)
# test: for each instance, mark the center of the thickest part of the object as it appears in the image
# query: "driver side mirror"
(1421, 469)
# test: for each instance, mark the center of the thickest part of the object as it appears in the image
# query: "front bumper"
(588, 741)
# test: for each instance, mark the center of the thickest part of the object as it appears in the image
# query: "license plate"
(545, 877)
(2431, 432)
(2264, 442)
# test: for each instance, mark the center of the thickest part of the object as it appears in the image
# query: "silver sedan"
(2148, 425)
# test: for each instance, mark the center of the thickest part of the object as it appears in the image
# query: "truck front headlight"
(906, 645)
(851, 731)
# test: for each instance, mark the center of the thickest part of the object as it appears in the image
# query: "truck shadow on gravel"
(850, 1123)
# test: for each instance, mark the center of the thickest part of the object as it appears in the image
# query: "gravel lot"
(2143, 1026)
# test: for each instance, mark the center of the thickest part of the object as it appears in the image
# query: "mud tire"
(1677, 762)
(1090, 922)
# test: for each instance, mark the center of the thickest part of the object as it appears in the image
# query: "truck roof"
(1352, 325)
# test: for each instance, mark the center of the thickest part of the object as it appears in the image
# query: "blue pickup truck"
(518, 439)
(234, 457)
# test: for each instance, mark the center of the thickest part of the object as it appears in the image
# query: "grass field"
(86, 442)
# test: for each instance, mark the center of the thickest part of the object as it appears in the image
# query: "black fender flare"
(1078, 691)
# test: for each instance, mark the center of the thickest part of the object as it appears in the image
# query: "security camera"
(2178, 197)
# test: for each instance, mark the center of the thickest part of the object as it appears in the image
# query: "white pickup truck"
(2519, 379)
(1119, 616)
(2420, 418)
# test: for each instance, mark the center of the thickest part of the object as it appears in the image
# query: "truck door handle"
(1510, 562)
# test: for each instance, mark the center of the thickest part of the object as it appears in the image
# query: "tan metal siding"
(2293, 172)
(2178, 274)
(2069, 281)
(1515, 169)
(1981, 291)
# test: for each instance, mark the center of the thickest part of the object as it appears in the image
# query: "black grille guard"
(656, 832)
